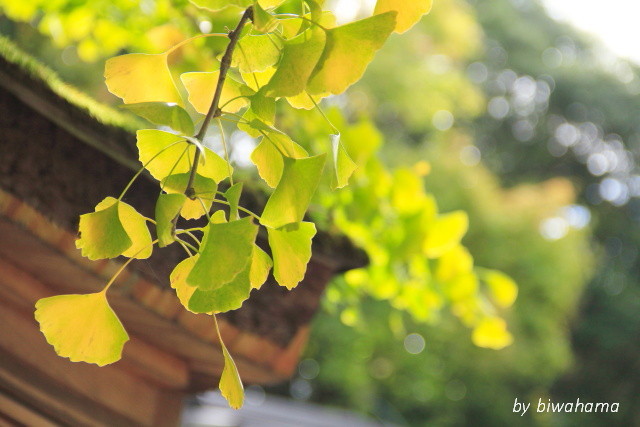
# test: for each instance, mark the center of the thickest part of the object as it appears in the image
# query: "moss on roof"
(35, 69)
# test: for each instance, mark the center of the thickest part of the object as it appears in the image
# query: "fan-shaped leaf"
(202, 86)
(225, 253)
(261, 264)
(291, 250)
(164, 114)
(139, 77)
(409, 11)
(227, 297)
(83, 328)
(349, 49)
(102, 234)
(257, 53)
(205, 188)
(230, 383)
(292, 196)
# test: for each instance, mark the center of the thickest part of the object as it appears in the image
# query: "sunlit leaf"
(164, 114)
(204, 188)
(261, 264)
(261, 109)
(230, 383)
(305, 101)
(291, 250)
(233, 197)
(503, 289)
(409, 11)
(171, 160)
(167, 209)
(178, 280)
(139, 77)
(257, 80)
(83, 328)
(299, 57)
(492, 333)
(227, 297)
(343, 166)
(263, 21)
(269, 162)
(115, 228)
(349, 49)
(226, 252)
(291, 198)
(102, 234)
(202, 86)
(444, 233)
(257, 53)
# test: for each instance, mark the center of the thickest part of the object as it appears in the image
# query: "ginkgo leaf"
(225, 253)
(202, 86)
(178, 280)
(259, 79)
(292, 196)
(299, 57)
(343, 166)
(230, 384)
(227, 297)
(83, 328)
(115, 228)
(135, 226)
(291, 250)
(257, 53)
(166, 154)
(409, 11)
(285, 145)
(444, 233)
(305, 101)
(205, 188)
(164, 114)
(233, 197)
(269, 162)
(167, 209)
(349, 49)
(263, 21)
(261, 264)
(263, 110)
(492, 332)
(139, 77)
(215, 5)
(163, 153)
(102, 234)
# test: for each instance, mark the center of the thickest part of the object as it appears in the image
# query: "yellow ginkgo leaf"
(139, 77)
(409, 11)
(83, 328)
(230, 383)
(202, 86)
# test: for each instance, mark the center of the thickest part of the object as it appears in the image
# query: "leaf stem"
(214, 110)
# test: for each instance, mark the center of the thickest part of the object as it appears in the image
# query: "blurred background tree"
(478, 96)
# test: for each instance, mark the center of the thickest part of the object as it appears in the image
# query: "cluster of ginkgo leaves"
(270, 56)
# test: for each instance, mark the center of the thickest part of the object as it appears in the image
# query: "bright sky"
(615, 22)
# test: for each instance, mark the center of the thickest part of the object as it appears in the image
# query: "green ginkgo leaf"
(205, 188)
(292, 196)
(164, 114)
(139, 77)
(83, 328)
(343, 166)
(263, 21)
(202, 87)
(102, 234)
(225, 253)
(409, 11)
(349, 50)
(291, 250)
(257, 53)
(167, 209)
(230, 382)
(269, 162)
(114, 229)
(233, 197)
(299, 57)
(261, 264)
(227, 297)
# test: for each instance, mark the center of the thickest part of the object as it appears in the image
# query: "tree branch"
(214, 110)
